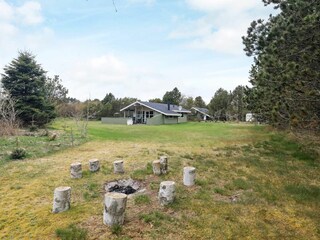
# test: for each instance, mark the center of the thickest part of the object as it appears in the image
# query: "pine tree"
(286, 70)
(25, 80)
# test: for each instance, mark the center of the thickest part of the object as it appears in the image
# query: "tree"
(237, 104)
(25, 80)
(172, 97)
(286, 70)
(219, 104)
(8, 115)
(198, 102)
(109, 98)
(155, 100)
(187, 102)
(55, 92)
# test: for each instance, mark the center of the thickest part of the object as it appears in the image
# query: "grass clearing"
(251, 183)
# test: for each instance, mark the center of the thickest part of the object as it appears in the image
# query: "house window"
(147, 114)
(151, 114)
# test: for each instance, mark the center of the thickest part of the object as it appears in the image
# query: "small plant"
(18, 153)
(116, 229)
(142, 199)
(72, 232)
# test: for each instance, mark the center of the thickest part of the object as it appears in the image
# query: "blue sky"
(144, 49)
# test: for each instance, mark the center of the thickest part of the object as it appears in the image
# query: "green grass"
(274, 177)
(142, 199)
(155, 218)
(71, 232)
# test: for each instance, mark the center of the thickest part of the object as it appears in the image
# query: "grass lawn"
(273, 180)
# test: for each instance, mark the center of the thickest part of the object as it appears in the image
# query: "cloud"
(221, 26)
(224, 5)
(6, 11)
(30, 13)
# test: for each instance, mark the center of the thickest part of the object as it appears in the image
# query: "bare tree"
(9, 123)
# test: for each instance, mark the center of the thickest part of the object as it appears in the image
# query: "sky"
(133, 48)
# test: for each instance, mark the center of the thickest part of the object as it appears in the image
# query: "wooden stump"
(76, 170)
(114, 208)
(166, 192)
(94, 165)
(189, 176)
(156, 166)
(61, 199)
(164, 164)
(118, 166)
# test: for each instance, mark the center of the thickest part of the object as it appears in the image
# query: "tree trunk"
(94, 165)
(189, 175)
(61, 199)
(164, 164)
(114, 208)
(76, 170)
(118, 166)
(156, 166)
(166, 192)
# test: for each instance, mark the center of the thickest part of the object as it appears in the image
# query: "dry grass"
(246, 165)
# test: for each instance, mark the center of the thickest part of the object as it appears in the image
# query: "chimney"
(168, 106)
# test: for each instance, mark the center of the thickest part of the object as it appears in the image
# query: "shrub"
(33, 128)
(18, 153)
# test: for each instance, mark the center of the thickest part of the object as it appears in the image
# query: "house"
(202, 113)
(150, 113)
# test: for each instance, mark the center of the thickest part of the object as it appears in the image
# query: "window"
(151, 114)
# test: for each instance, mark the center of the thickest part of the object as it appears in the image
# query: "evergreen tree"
(25, 80)
(219, 105)
(286, 70)
(198, 102)
(172, 97)
(238, 106)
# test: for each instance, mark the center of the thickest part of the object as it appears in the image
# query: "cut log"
(114, 208)
(156, 166)
(189, 176)
(94, 165)
(61, 199)
(164, 164)
(76, 170)
(166, 192)
(118, 166)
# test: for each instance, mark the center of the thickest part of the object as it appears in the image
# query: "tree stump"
(114, 208)
(118, 166)
(156, 166)
(61, 199)
(166, 192)
(76, 170)
(164, 164)
(94, 165)
(189, 176)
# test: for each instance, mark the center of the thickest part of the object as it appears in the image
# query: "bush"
(71, 232)
(33, 128)
(18, 153)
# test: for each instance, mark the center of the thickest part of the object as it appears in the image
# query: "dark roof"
(175, 110)
(204, 111)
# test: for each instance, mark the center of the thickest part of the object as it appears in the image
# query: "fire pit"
(126, 186)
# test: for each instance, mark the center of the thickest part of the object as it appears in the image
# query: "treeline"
(286, 72)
